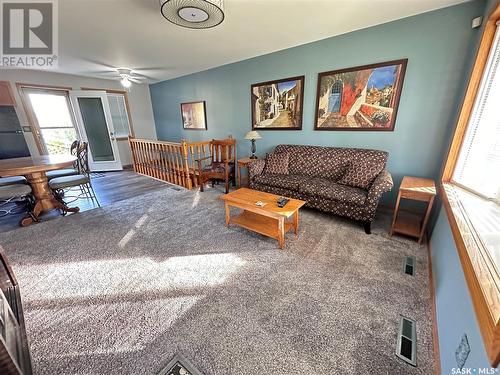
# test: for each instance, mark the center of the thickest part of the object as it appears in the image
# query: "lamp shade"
(253, 135)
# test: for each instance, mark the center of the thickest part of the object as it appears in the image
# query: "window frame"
(22, 89)
(127, 108)
(480, 274)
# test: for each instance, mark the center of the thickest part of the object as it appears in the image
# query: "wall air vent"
(406, 348)
(409, 265)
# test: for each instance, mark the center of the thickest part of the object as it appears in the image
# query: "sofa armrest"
(383, 183)
(255, 168)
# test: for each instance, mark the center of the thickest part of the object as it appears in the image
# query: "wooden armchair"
(221, 163)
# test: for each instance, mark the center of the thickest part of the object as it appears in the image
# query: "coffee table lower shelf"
(264, 225)
(268, 218)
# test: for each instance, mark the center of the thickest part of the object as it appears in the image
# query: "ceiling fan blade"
(154, 68)
(99, 63)
(141, 75)
(107, 72)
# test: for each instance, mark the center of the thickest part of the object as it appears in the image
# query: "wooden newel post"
(189, 182)
(132, 149)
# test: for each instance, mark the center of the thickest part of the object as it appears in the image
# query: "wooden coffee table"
(270, 220)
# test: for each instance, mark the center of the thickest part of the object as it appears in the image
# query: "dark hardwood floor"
(110, 187)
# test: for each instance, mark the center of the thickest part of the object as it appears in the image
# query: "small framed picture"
(360, 98)
(277, 105)
(194, 116)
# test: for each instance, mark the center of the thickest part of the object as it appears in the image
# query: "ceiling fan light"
(126, 83)
(194, 14)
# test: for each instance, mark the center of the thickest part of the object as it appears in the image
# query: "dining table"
(34, 168)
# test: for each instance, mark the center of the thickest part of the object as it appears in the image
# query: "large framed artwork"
(277, 105)
(194, 116)
(360, 98)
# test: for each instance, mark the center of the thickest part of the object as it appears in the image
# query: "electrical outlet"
(462, 352)
(476, 22)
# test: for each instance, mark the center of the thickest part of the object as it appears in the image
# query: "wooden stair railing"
(169, 161)
(166, 161)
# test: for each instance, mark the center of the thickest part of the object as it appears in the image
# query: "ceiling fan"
(127, 76)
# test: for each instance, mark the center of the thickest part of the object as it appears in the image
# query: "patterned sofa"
(345, 181)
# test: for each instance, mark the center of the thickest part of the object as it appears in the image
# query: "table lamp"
(253, 135)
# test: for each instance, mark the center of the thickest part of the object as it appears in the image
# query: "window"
(119, 114)
(52, 119)
(478, 164)
(471, 186)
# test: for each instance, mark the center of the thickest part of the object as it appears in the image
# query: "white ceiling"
(95, 35)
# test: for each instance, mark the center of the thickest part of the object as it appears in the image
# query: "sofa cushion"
(328, 189)
(284, 181)
(327, 162)
(317, 163)
(361, 174)
(277, 163)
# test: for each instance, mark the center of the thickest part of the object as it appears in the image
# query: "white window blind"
(478, 166)
(119, 114)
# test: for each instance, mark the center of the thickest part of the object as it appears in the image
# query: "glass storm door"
(95, 124)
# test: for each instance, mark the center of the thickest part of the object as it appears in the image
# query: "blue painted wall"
(454, 310)
(435, 43)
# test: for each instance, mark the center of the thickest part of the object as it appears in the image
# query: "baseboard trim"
(435, 337)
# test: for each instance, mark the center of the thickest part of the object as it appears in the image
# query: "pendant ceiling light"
(195, 14)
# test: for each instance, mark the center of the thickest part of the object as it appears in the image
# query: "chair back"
(223, 149)
(74, 148)
(83, 158)
(74, 151)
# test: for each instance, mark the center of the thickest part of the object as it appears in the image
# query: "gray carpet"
(121, 289)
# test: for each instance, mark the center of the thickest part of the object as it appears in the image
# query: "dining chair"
(220, 165)
(15, 198)
(67, 171)
(62, 185)
(4, 181)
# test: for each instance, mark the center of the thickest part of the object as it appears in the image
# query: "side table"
(410, 224)
(243, 163)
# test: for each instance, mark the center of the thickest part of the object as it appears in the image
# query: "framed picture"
(277, 105)
(194, 116)
(360, 98)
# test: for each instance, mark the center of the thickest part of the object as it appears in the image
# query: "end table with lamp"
(243, 163)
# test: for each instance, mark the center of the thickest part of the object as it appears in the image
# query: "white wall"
(139, 100)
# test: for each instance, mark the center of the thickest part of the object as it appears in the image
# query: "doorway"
(59, 116)
(335, 98)
(95, 123)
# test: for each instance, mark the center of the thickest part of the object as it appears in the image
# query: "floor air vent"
(179, 365)
(407, 341)
(409, 265)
